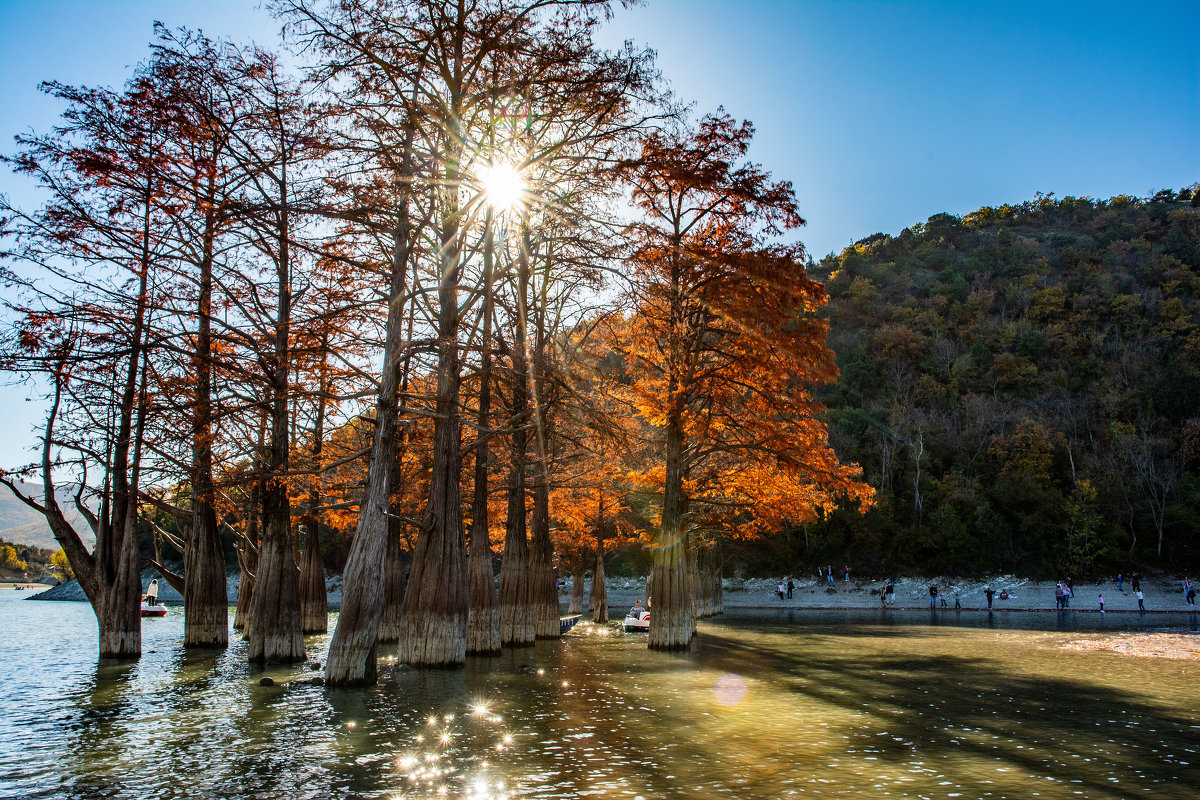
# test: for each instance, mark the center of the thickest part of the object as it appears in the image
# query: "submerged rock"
(267, 682)
(316, 680)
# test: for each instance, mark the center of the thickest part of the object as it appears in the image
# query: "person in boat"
(637, 610)
(152, 593)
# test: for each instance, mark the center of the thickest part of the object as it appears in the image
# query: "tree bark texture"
(275, 634)
(393, 581)
(433, 631)
(314, 597)
(541, 565)
(515, 604)
(672, 620)
(248, 565)
(483, 616)
(351, 659)
(205, 598)
(578, 576)
(599, 596)
(517, 621)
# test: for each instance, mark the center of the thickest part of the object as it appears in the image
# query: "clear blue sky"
(881, 113)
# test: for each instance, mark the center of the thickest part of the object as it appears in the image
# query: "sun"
(503, 186)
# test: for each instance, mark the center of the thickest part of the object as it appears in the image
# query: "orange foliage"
(724, 343)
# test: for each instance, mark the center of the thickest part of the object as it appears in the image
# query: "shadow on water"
(969, 710)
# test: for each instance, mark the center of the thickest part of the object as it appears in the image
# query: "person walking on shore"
(829, 574)
(1189, 592)
(847, 573)
(889, 592)
(1141, 605)
(779, 590)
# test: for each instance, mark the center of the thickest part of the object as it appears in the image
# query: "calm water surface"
(774, 705)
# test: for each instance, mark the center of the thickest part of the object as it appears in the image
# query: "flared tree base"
(433, 640)
(206, 626)
(483, 632)
(122, 645)
(351, 666)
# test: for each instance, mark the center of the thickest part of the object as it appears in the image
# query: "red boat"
(154, 610)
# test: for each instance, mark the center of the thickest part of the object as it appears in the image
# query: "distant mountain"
(1021, 385)
(21, 524)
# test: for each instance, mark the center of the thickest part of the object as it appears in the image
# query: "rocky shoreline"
(757, 593)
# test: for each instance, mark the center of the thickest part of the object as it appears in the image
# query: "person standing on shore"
(1101, 604)
(989, 592)
(790, 587)
(829, 574)
(889, 592)
(933, 596)
(779, 590)
(1119, 579)
(847, 573)
(1135, 581)
(1141, 605)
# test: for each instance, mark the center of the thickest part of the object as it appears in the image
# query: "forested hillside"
(1021, 384)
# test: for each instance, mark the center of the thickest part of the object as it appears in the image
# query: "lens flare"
(730, 689)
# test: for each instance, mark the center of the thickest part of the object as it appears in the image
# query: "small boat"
(635, 624)
(154, 610)
(566, 623)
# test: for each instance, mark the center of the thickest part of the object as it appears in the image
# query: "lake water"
(768, 705)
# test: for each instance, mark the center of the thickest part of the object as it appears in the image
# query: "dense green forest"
(1021, 386)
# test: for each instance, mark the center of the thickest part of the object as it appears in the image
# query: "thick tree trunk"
(351, 658)
(206, 596)
(708, 575)
(672, 621)
(118, 612)
(541, 565)
(393, 581)
(541, 561)
(248, 565)
(483, 617)
(275, 634)
(433, 631)
(314, 597)
(599, 596)
(578, 576)
(516, 608)
(517, 621)
(276, 631)
(206, 601)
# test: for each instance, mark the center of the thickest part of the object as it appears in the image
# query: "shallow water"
(767, 705)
